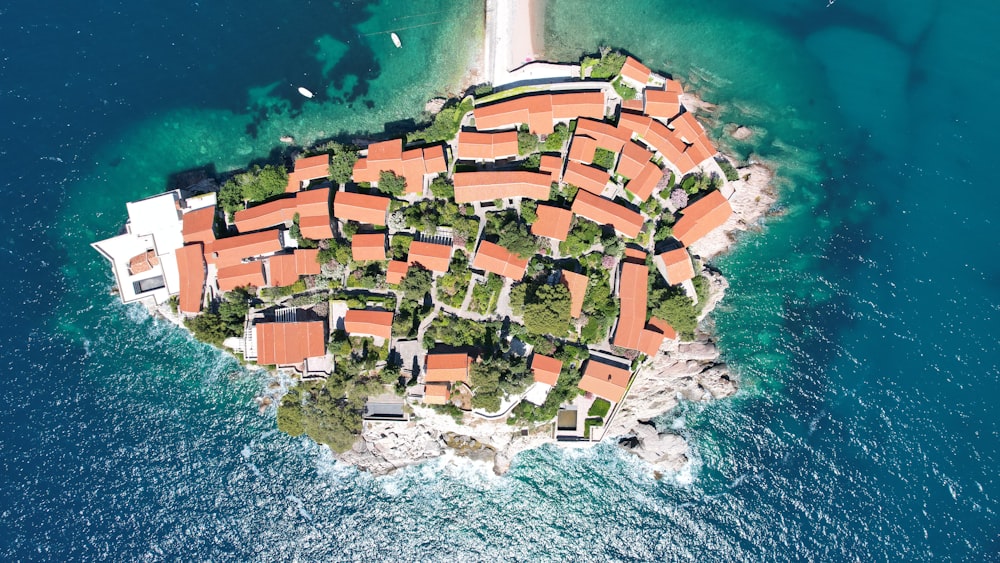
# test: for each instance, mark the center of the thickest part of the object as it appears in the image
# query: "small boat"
(305, 92)
(395, 40)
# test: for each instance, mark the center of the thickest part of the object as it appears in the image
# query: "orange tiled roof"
(662, 326)
(645, 183)
(363, 208)
(546, 369)
(306, 170)
(473, 145)
(673, 86)
(143, 262)
(198, 225)
(650, 341)
(661, 104)
(396, 272)
(412, 164)
(436, 393)
(434, 160)
(368, 246)
(634, 157)
(634, 70)
(632, 105)
(636, 255)
(497, 259)
(487, 186)
(675, 265)
(582, 149)
(632, 293)
(265, 215)
(447, 368)
(607, 136)
(702, 217)
(605, 381)
(434, 257)
(577, 286)
(670, 145)
(586, 177)
(606, 212)
(571, 105)
(368, 323)
(239, 275)
(313, 202)
(553, 222)
(233, 250)
(307, 261)
(316, 227)
(289, 343)
(539, 110)
(551, 164)
(282, 270)
(191, 266)
(634, 123)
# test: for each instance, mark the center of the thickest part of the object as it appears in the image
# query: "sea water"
(862, 320)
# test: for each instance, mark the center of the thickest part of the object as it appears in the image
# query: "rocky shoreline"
(692, 371)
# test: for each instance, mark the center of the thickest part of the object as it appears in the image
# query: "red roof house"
(675, 266)
(661, 104)
(552, 222)
(702, 217)
(233, 250)
(644, 184)
(396, 271)
(586, 177)
(497, 259)
(368, 323)
(632, 292)
(577, 286)
(240, 275)
(306, 170)
(490, 185)
(636, 71)
(368, 246)
(447, 368)
(605, 380)
(289, 343)
(198, 225)
(546, 369)
(606, 212)
(192, 270)
(363, 208)
(473, 145)
(434, 257)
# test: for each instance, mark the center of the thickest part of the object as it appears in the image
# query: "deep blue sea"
(863, 320)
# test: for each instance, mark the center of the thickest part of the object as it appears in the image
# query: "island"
(530, 268)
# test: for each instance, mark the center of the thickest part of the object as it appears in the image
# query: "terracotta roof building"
(359, 322)
(607, 136)
(265, 215)
(546, 369)
(582, 148)
(473, 145)
(312, 206)
(551, 164)
(289, 343)
(436, 394)
(368, 247)
(198, 225)
(661, 138)
(240, 275)
(539, 111)
(233, 250)
(634, 158)
(632, 292)
(661, 104)
(434, 257)
(316, 227)
(497, 259)
(586, 177)
(552, 222)
(487, 185)
(306, 170)
(363, 208)
(605, 380)
(412, 164)
(675, 266)
(632, 105)
(606, 212)
(663, 327)
(447, 368)
(636, 71)
(702, 217)
(285, 269)
(577, 286)
(395, 272)
(311, 203)
(644, 184)
(192, 270)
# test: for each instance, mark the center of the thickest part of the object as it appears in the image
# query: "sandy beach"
(514, 36)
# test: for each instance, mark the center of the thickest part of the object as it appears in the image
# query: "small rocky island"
(530, 268)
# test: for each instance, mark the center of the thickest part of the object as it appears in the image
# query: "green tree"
(416, 284)
(546, 312)
(556, 139)
(391, 184)
(256, 184)
(527, 142)
(442, 188)
(604, 158)
(342, 163)
(528, 210)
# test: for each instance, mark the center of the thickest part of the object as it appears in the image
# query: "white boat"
(395, 40)
(305, 92)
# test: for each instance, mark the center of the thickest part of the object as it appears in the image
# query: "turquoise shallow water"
(863, 320)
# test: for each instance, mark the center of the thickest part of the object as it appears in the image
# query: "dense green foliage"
(278, 292)
(417, 283)
(494, 377)
(224, 320)
(582, 235)
(672, 305)
(390, 184)
(728, 169)
(445, 125)
(609, 65)
(546, 310)
(368, 276)
(527, 142)
(485, 295)
(454, 331)
(335, 251)
(443, 188)
(694, 183)
(556, 139)
(603, 158)
(399, 246)
(528, 210)
(342, 161)
(599, 306)
(256, 184)
(408, 318)
(330, 412)
(452, 287)
(296, 233)
(506, 229)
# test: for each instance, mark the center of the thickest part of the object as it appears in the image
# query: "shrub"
(442, 188)
(256, 184)
(556, 139)
(527, 142)
(391, 184)
(728, 169)
(528, 210)
(604, 158)
(342, 163)
(445, 125)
